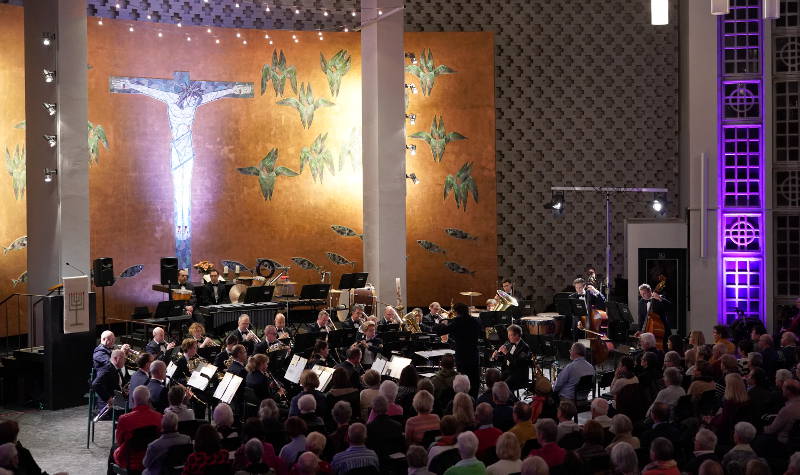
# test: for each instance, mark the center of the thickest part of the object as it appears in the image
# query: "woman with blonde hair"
(424, 421)
(696, 338)
(464, 412)
(198, 331)
(735, 407)
(508, 453)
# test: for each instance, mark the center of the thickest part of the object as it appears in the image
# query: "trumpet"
(255, 338)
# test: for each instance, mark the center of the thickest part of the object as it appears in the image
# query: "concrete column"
(383, 140)
(58, 212)
(699, 136)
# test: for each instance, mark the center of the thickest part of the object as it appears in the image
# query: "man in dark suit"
(239, 361)
(323, 323)
(158, 386)
(244, 335)
(515, 359)
(660, 414)
(356, 318)
(109, 379)
(352, 365)
(431, 318)
(214, 291)
(158, 346)
(141, 376)
(465, 330)
(189, 350)
(705, 444)
(590, 296)
(652, 302)
(222, 356)
(184, 284)
(102, 352)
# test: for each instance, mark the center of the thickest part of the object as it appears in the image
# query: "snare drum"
(539, 325)
(181, 294)
(558, 322)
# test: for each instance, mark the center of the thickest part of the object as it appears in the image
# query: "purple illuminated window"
(741, 162)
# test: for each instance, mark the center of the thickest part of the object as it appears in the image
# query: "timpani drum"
(539, 325)
(181, 294)
(558, 322)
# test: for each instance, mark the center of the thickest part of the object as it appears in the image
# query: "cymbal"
(335, 291)
(236, 292)
(470, 294)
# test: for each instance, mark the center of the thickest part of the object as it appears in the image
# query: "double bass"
(654, 323)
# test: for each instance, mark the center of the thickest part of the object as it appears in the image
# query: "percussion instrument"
(365, 296)
(470, 294)
(181, 294)
(539, 325)
(558, 321)
(237, 292)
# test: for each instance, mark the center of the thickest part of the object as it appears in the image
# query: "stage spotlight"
(556, 203)
(412, 148)
(50, 108)
(413, 178)
(412, 118)
(412, 87)
(50, 139)
(49, 76)
(47, 39)
(658, 204)
(49, 174)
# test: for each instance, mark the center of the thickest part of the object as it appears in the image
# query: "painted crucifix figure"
(182, 97)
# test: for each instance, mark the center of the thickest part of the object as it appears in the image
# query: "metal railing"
(18, 308)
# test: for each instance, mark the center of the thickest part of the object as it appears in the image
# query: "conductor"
(465, 331)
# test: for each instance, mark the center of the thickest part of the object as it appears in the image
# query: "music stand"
(305, 341)
(226, 389)
(356, 280)
(341, 338)
(296, 367)
(490, 318)
(259, 294)
(169, 308)
(315, 292)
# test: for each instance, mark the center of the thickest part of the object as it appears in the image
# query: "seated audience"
(486, 433)
(503, 417)
(252, 429)
(508, 453)
(384, 434)
(566, 413)
(309, 382)
(623, 376)
(662, 461)
(315, 444)
(307, 464)
(464, 411)
(599, 409)
(789, 413)
(296, 430)
(672, 389)
(372, 381)
(9, 433)
(357, 455)
(661, 426)
(337, 440)
(142, 415)
(208, 452)
(624, 460)
(223, 421)
(253, 451)
(446, 441)
(592, 447)
(176, 397)
(702, 380)
(407, 388)
(341, 389)
(569, 377)
(424, 421)
(156, 453)
(443, 379)
(523, 427)
(417, 458)
(710, 467)
(274, 430)
(735, 406)
(705, 445)
(534, 466)
(491, 376)
(388, 390)
(550, 451)
(307, 406)
(467, 445)
(461, 384)
(735, 461)
(622, 428)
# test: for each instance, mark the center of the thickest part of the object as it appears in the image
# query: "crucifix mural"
(182, 97)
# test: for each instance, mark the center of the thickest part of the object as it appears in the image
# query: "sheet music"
(325, 374)
(295, 369)
(435, 353)
(379, 364)
(198, 381)
(227, 388)
(208, 370)
(171, 367)
(396, 366)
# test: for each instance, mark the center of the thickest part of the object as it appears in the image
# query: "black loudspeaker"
(103, 272)
(169, 270)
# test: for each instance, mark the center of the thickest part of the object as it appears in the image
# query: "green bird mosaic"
(15, 164)
(278, 72)
(305, 104)
(437, 139)
(267, 173)
(335, 69)
(97, 137)
(426, 71)
(317, 157)
(462, 184)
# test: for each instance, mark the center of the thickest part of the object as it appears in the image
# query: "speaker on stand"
(169, 270)
(103, 274)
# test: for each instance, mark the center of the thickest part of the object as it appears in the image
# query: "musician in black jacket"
(189, 350)
(102, 352)
(141, 376)
(214, 291)
(184, 284)
(515, 359)
(258, 378)
(239, 361)
(370, 344)
(353, 367)
(158, 386)
(158, 346)
(465, 330)
(356, 318)
(109, 378)
(652, 302)
(320, 356)
(223, 355)
(244, 335)
(323, 323)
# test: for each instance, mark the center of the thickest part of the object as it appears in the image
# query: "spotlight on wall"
(412, 118)
(412, 149)
(659, 12)
(412, 57)
(49, 76)
(720, 7)
(556, 203)
(50, 108)
(771, 9)
(49, 174)
(50, 139)
(412, 87)
(48, 38)
(658, 204)
(413, 178)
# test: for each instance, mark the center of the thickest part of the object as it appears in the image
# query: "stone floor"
(57, 440)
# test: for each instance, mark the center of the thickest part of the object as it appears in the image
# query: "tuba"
(504, 301)
(410, 322)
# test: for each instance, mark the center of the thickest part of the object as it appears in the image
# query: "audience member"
(154, 458)
(550, 451)
(296, 430)
(141, 416)
(417, 458)
(467, 445)
(357, 455)
(443, 379)
(464, 410)
(176, 396)
(223, 421)
(789, 413)
(566, 415)
(622, 428)
(253, 428)
(208, 452)
(9, 433)
(446, 441)
(372, 381)
(274, 429)
(309, 382)
(486, 433)
(569, 377)
(385, 435)
(388, 390)
(735, 461)
(315, 444)
(307, 406)
(508, 454)
(424, 421)
(503, 417)
(535, 466)
(253, 451)
(337, 440)
(592, 447)
(705, 445)
(662, 461)
(624, 460)
(523, 427)
(599, 410)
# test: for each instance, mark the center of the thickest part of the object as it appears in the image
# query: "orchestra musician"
(260, 380)
(198, 331)
(142, 375)
(356, 318)
(323, 323)
(239, 355)
(490, 305)
(320, 356)
(591, 297)
(158, 346)
(515, 358)
(223, 356)
(433, 316)
(652, 302)
(280, 325)
(158, 386)
(270, 341)
(243, 334)
(214, 292)
(109, 379)
(369, 343)
(189, 350)
(390, 316)
(466, 331)
(592, 278)
(102, 353)
(184, 284)
(352, 365)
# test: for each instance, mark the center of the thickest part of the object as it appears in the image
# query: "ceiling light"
(659, 12)
(270, 41)
(296, 11)
(49, 174)
(380, 12)
(237, 5)
(720, 7)
(50, 139)
(116, 6)
(149, 17)
(412, 87)
(413, 178)
(49, 76)
(208, 30)
(266, 37)
(50, 108)
(267, 10)
(412, 57)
